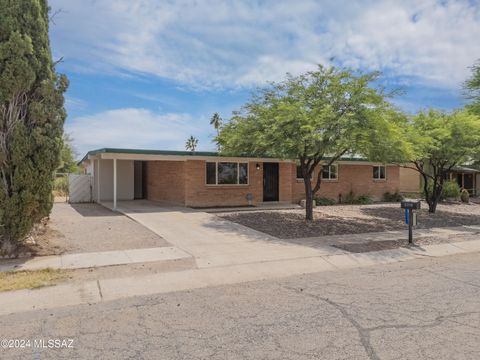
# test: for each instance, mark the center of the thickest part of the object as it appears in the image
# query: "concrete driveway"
(213, 241)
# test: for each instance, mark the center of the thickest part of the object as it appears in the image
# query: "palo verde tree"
(439, 142)
(31, 119)
(314, 118)
(472, 89)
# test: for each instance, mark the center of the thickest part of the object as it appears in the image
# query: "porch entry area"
(466, 178)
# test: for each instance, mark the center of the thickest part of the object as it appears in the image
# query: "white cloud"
(131, 128)
(209, 43)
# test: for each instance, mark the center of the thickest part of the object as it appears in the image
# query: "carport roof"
(148, 152)
(186, 153)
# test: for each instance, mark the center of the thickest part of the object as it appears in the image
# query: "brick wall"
(183, 182)
(409, 180)
(286, 180)
(356, 178)
(198, 194)
(166, 181)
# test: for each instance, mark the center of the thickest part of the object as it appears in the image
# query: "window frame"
(216, 162)
(329, 173)
(379, 172)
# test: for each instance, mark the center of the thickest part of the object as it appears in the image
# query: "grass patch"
(30, 279)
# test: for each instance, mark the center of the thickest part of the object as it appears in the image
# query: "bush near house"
(352, 199)
(465, 196)
(450, 190)
(323, 201)
(392, 197)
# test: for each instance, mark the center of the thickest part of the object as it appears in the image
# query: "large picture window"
(379, 172)
(329, 172)
(226, 173)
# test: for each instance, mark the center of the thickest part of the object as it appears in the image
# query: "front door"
(270, 181)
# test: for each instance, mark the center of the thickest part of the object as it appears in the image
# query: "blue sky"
(150, 73)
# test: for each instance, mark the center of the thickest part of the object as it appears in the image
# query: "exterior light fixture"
(258, 166)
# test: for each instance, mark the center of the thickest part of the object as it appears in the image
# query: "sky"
(147, 74)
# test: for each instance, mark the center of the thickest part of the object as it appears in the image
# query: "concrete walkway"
(211, 240)
(111, 289)
(95, 259)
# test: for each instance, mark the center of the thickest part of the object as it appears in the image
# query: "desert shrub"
(465, 196)
(60, 186)
(357, 200)
(323, 201)
(363, 200)
(450, 190)
(392, 197)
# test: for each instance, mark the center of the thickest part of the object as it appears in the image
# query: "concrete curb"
(98, 259)
(117, 288)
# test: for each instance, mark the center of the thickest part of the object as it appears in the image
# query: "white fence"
(80, 188)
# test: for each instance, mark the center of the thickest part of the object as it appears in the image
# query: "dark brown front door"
(270, 181)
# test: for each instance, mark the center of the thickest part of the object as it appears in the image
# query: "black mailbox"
(410, 204)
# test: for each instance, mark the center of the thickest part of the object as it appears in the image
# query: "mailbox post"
(410, 216)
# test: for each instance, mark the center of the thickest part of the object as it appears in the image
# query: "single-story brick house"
(206, 179)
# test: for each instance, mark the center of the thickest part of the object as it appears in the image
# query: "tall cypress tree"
(31, 119)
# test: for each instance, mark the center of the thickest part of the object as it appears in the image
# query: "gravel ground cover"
(352, 219)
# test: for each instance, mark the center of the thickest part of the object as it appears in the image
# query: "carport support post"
(114, 184)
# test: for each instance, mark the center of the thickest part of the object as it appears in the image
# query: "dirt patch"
(45, 241)
(76, 228)
(351, 219)
(401, 243)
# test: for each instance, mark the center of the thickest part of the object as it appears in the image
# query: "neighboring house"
(466, 178)
(205, 179)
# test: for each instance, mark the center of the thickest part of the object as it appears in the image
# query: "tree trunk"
(7, 246)
(432, 206)
(308, 198)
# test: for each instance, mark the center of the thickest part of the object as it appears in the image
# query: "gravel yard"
(76, 228)
(351, 219)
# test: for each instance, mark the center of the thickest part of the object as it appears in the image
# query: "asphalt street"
(421, 309)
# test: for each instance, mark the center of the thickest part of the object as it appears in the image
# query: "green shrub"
(451, 190)
(323, 201)
(60, 186)
(465, 196)
(363, 200)
(392, 197)
(357, 200)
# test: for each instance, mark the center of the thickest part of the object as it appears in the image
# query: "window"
(211, 173)
(299, 173)
(379, 172)
(329, 172)
(226, 173)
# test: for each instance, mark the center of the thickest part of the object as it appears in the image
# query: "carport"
(120, 174)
